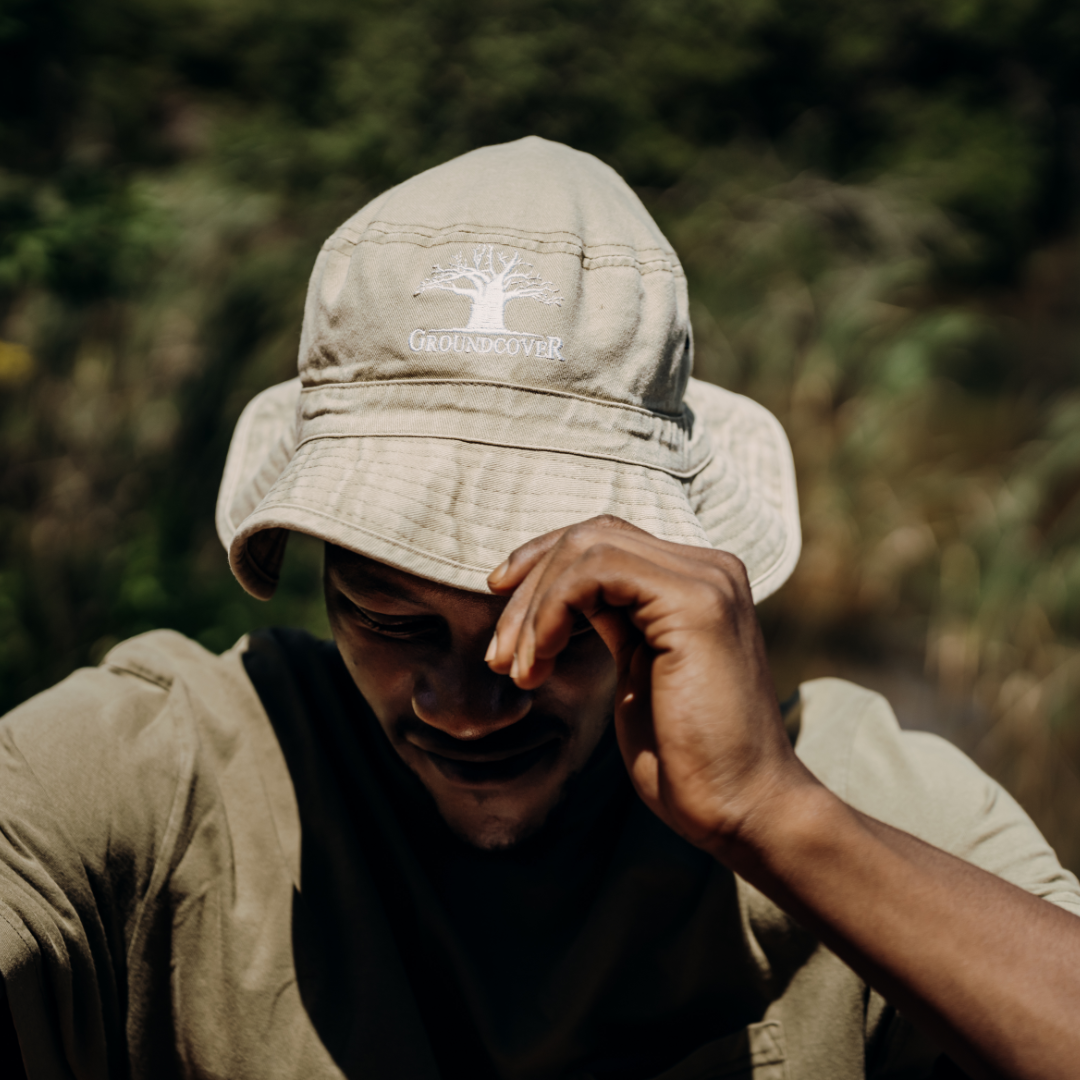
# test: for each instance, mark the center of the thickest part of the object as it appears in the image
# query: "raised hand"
(695, 712)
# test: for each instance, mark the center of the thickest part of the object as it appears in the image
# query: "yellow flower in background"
(16, 364)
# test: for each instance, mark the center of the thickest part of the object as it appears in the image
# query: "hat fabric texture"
(494, 349)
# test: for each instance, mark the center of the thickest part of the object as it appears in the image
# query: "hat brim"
(451, 510)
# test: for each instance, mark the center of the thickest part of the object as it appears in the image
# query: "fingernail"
(514, 668)
(499, 571)
(492, 648)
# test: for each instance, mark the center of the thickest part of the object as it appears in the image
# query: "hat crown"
(527, 264)
(495, 349)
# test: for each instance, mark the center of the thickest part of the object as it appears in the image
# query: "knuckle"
(732, 569)
(582, 536)
(601, 551)
(577, 536)
(721, 602)
(609, 521)
(728, 561)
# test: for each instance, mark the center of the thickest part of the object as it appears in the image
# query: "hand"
(696, 715)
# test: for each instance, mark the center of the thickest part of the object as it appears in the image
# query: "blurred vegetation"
(876, 203)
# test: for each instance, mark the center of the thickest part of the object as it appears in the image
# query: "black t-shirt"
(604, 944)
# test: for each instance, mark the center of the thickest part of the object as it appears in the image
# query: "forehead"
(360, 574)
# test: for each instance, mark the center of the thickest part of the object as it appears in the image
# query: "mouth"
(493, 760)
(483, 771)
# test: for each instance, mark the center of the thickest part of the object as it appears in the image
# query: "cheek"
(379, 674)
(584, 684)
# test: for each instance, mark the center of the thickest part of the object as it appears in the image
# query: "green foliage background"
(876, 203)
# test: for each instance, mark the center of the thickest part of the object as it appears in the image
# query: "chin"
(490, 830)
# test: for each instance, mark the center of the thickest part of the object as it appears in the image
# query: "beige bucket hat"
(493, 349)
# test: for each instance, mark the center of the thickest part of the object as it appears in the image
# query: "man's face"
(495, 758)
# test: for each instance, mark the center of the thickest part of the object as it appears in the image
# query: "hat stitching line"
(516, 466)
(563, 247)
(598, 262)
(778, 563)
(393, 542)
(234, 471)
(788, 496)
(685, 474)
(791, 537)
(775, 567)
(386, 227)
(324, 473)
(646, 255)
(370, 532)
(542, 390)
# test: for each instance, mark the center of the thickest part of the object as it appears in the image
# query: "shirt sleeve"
(88, 785)
(922, 784)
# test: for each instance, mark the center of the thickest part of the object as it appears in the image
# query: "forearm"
(993, 971)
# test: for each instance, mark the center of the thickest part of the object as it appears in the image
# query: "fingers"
(597, 568)
(513, 571)
(526, 570)
(509, 574)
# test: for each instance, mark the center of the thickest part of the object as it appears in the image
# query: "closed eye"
(396, 626)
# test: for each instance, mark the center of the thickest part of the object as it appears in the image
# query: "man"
(535, 812)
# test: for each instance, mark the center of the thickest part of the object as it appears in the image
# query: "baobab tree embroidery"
(490, 287)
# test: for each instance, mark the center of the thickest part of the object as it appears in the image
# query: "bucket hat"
(496, 348)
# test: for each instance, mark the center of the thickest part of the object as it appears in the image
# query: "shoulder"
(95, 720)
(102, 738)
(105, 756)
(162, 755)
(916, 781)
(126, 705)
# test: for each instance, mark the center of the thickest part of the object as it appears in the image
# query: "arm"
(11, 1062)
(992, 971)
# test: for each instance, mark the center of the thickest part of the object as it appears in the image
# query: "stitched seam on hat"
(387, 227)
(592, 258)
(766, 574)
(547, 391)
(371, 532)
(791, 537)
(648, 259)
(540, 236)
(683, 475)
(778, 561)
(588, 262)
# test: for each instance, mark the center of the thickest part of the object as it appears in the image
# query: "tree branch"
(448, 285)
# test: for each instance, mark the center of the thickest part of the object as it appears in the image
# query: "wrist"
(786, 822)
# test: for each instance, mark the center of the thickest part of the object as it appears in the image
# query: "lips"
(493, 771)
(498, 758)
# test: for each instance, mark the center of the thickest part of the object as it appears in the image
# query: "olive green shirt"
(216, 867)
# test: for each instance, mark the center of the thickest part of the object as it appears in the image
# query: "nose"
(468, 700)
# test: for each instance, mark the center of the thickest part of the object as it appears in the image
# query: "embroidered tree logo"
(491, 287)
